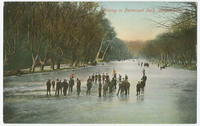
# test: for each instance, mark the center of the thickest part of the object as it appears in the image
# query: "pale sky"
(134, 20)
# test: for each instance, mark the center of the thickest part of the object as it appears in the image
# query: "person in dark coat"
(127, 87)
(99, 78)
(123, 86)
(110, 86)
(144, 78)
(126, 77)
(105, 88)
(103, 78)
(57, 87)
(65, 84)
(138, 86)
(100, 88)
(53, 84)
(89, 86)
(96, 78)
(71, 84)
(143, 82)
(78, 86)
(48, 84)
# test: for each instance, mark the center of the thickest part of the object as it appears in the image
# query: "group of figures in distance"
(103, 80)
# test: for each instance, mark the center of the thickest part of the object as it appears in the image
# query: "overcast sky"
(133, 20)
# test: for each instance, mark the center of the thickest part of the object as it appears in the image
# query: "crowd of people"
(106, 85)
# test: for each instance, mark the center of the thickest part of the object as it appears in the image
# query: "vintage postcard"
(99, 62)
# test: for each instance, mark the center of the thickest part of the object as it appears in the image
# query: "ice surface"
(170, 97)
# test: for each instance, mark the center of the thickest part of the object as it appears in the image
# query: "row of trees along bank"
(178, 45)
(51, 33)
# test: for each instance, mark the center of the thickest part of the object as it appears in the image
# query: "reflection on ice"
(140, 98)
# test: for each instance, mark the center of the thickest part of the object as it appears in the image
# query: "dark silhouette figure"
(65, 84)
(146, 64)
(71, 84)
(89, 86)
(126, 77)
(138, 86)
(103, 78)
(110, 86)
(100, 88)
(78, 86)
(96, 77)
(58, 84)
(48, 84)
(127, 87)
(105, 88)
(93, 77)
(99, 78)
(122, 87)
(143, 82)
(53, 84)
(163, 67)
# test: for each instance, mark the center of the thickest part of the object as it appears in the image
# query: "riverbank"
(191, 67)
(37, 70)
(64, 66)
(178, 66)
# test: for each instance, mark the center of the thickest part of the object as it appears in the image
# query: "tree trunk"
(58, 65)
(52, 64)
(34, 62)
(76, 63)
(42, 66)
(42, 63)
(33, 66)
(98, 52)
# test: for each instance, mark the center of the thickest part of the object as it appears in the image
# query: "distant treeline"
(135, 47)
(51, 33)
(118, 50)
(178, 45)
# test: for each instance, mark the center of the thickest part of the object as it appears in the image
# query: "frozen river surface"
(170, 97)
